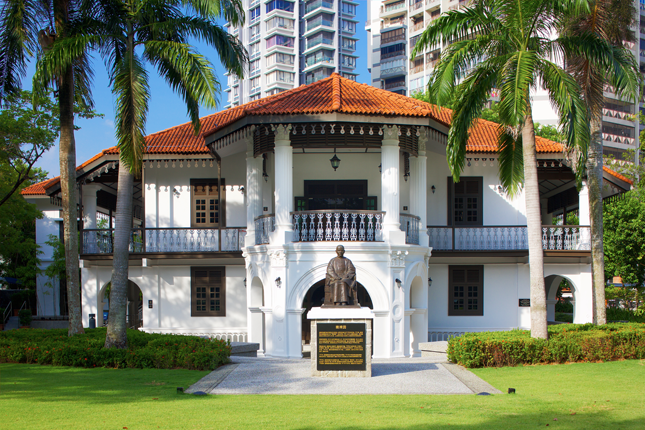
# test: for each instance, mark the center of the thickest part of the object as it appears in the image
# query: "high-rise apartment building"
(394, 26)
(292, 43)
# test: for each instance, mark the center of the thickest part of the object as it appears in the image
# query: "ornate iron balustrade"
(100, 241)
(338, 225)
(507, 238)
(264, 225)
(410, 225)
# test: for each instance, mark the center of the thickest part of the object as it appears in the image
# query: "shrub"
(563, 317)
(25, 317)
(620, 314)
(567, 343)
(145, 350)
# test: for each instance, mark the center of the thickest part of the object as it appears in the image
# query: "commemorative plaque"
(341, 346)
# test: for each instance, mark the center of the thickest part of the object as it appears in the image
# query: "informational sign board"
(525, 303)
(341, 346)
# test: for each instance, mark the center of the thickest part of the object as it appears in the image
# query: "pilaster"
(419, 188)
(89, 205)
(253, 190)
(283, 185)
(390, 160)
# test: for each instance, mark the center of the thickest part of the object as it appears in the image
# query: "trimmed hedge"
(145, 350)
(567, 343)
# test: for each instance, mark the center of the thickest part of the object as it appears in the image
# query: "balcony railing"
(507, 238)
(619, 139)
(264, 225)
(410, 225)
(617, 114)
(310, 7)
(100, 241)
(338, 225)
(418, 26)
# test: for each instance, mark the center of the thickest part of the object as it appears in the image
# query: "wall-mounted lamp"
(175, 192)
(244, 282)
(241, 189)
(406, 166)
(380, 168)
(468, 162)
(429, 282)
(398, 283)
(433, 188)
(335, 161)
(500, 189)
(278, 282)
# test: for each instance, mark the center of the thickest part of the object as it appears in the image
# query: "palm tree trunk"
(69, 191)
(534, 227)
(116, 330)
(594, 177)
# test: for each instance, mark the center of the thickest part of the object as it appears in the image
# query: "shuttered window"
(466, 291)
(208, 292)
(465, 201)
(206, 205)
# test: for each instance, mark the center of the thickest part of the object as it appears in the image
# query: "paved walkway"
(422, 375)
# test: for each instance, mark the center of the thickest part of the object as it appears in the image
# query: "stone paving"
(431, 374)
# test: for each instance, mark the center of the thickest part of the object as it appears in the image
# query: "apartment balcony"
(432, 3)
(255, 55)
(508, 238)
(391, 39)
(393, 54)
(392, 23)
(416, 69)
(393, 85)
(393, 71)
(318, 6)
(319, 62)
(166, 240)
(392, 9)
(614, 138)
(418, 26)
(417, 7)
(611, 113)
(254, 37)
(253, 3)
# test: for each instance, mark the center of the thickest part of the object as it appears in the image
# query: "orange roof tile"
(332, 94)
(617, 175)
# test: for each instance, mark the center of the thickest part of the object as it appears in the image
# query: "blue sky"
(166, 108)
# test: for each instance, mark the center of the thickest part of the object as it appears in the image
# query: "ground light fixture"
(335, 161)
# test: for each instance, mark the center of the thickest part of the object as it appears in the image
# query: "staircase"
(12, 323)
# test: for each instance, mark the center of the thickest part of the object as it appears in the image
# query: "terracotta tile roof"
(333, 94)
(617, 175)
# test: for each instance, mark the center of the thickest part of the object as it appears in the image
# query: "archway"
(552, 284)
(316, 296)
(419, 316)
(256, 302)
(134, 308)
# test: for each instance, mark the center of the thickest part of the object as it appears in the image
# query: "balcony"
(416, 6)
(385, 39)
(392, 8)
(393, 71)
(392, 54)
(264, 225)
(410, 225)
(392, 23)
(612, 113)
(618, 139)
(310, 7)
(416, 69)
(418, 26)
(508, 238)
(338, 225)
(165, 240)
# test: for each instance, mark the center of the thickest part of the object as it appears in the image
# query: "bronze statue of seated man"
(340, 283)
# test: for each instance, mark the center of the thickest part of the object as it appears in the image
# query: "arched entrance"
(316, 296)
(419, 316)
(554, 285)
(134, 309)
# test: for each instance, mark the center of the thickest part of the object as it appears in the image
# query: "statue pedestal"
(341, 342)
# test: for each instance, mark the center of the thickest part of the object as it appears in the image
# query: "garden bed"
(567, 343)
(145, 350)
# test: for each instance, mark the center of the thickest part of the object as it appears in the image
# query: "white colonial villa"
(240, 252)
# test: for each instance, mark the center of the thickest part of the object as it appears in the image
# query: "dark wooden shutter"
(465, 201)
(466, 291)
(208, 289)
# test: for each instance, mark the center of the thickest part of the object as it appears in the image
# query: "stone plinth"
(352, 324)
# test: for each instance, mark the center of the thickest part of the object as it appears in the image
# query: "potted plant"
(25, 318)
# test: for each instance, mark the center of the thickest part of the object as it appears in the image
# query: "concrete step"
(245, 349)
(12, 323)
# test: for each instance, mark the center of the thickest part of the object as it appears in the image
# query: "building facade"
(292, 43)
(394, 26)
(234, 229)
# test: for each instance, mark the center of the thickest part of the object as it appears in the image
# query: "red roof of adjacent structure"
(617, 175)
(334, 94)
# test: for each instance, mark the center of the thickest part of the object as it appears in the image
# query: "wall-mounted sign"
(525, 303)
(341, 346)
(149, 304)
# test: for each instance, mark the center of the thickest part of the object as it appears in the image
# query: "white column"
(584, 216)
(283, 185)
(89, 205)
(253, 190)
(419, 189)
(390, 185)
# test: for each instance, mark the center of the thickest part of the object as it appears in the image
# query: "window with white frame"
(280, 58)
(280, 76)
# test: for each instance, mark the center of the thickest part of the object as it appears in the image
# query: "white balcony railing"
(100, 241)
(618, 139)
(410, 225)
(338, 225)
(612, 113)
(507, 238)
(264, 225)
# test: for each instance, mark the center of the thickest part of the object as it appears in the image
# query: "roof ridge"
(335, 94)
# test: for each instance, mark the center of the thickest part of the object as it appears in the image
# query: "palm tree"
(508, 45)
(26, 29)
(127, 33)
(612, 21)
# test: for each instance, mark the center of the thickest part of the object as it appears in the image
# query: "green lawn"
(575, 396)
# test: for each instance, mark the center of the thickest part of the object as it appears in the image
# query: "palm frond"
(132, 95)
(517, 77)
(18, 40)
(231, 10)
(511, 160)
(187, 72)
